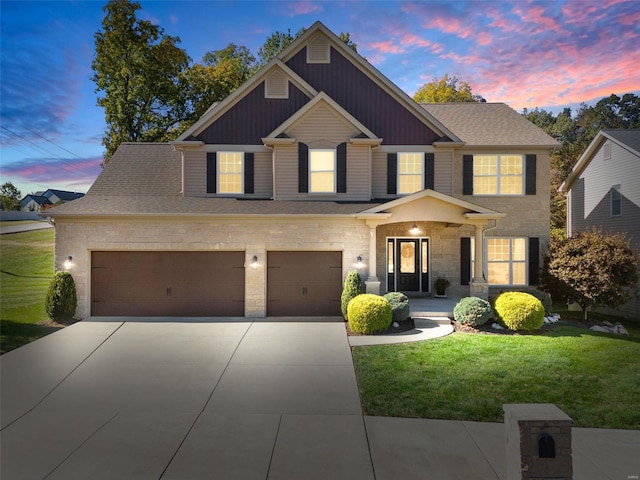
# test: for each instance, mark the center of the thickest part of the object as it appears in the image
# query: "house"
(316, 166)
(603, 190)
(36, 201)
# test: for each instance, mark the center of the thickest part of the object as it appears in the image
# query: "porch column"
(479, 286)
(372, 283)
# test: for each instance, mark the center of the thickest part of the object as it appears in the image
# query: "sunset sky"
(549, 54)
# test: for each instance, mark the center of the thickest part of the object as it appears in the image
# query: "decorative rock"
(598, 328)
(395, 325)
(608, 324)
(497, 326)
(618, 329)
(607, 327)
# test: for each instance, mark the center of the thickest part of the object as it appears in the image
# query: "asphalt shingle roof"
(629, 137)
(489, 124)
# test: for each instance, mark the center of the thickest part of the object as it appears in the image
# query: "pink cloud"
(388, 46)
(303, 8)
(49, 171)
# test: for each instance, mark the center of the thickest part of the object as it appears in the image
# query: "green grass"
(26, 268)
(594, 378)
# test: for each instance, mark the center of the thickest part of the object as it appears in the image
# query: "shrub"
(472, 311)
(369, 313)
(520, 311)
(545, 298)
(399, 305)
(61, 301)
(352, 288)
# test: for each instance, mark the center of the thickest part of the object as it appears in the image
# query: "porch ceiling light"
(68, 263)
(414, 229)
(254, 262)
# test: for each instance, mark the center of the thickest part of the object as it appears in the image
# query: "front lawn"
(26, 265)
(594, 378)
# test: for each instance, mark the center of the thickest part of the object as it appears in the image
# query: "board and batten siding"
(195, 174)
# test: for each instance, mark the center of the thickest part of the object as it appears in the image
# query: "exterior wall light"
(414, 229)
(68, 263)
(254, 262)
(359, 263)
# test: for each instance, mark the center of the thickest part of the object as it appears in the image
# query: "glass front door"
(408, 265)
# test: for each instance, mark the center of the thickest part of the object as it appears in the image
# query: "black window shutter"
(534, 260)
(392, 173)
(467, 174)
(303, 168)
(248, 172)
(429, 168)
(211, 172)
(465, 260)
(530, 169)
(341, 182)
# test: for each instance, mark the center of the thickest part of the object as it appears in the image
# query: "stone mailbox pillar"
(538, 442)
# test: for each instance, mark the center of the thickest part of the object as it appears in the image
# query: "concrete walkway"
(234, 399)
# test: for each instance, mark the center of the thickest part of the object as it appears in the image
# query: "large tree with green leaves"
(446, 89)
(137, 70)
(9, 196)
(593, 269)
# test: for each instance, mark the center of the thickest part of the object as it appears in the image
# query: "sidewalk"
(24, 227)
(244, 399)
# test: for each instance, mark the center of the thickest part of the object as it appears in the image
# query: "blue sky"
(528, 54)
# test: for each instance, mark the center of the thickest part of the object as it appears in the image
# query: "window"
(322, 171)
(616, 201)
(230, 173)
(410, 173)
(498, 175)
(507, 261)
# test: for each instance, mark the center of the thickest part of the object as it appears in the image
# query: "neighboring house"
(317, 165)
(603, 190)
(36, 201)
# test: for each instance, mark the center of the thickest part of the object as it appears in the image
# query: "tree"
(220, 73)
(9, 196)
(137, 69)
(594, 269)
(446, 89)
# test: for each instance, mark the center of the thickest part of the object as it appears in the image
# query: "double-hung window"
(498, 175)
(322, 171)
(507, 261)
(230, 173)
(616, 201)
(410, 173)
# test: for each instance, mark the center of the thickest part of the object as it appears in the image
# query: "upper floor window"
(410, 173)
(498, 175)
(616, 200)
(322, 171)
(230, 173)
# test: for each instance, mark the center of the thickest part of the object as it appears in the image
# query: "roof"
(469, 122)
(39, 199)
(64, 194)
(628, 138)
(146, 179)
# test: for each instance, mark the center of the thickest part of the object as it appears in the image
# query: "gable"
(322, 122)
(364, 99)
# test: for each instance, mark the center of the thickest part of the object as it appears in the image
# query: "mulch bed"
(403, 327)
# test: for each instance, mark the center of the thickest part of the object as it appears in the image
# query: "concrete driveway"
(234, 400)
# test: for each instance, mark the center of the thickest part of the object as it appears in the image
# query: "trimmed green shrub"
(472, 311)
(545, 298)
(399, 306)
(520, 311)
(369, 313)
(352, 288)
(61, 301)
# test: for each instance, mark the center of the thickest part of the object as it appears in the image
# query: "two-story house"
(603, 191)
(317, 165)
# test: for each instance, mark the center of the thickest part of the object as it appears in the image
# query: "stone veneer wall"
(254, 236)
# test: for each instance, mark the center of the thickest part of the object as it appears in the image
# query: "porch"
(423, 306)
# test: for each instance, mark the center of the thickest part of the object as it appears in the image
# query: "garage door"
(304, 283)
(195, 284)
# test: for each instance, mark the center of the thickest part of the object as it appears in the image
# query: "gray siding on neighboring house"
(364, 99)
(253, 118)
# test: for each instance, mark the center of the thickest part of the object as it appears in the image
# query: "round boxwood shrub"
(520, 311)
(545, 298)
(352, 288)
(399, 306)
(472, 311)
(369, 313)
(61, 301)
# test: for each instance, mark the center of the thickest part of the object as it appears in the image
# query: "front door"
(408, 265)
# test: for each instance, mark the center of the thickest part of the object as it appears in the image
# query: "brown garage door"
(196, 284)
(304, 283)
